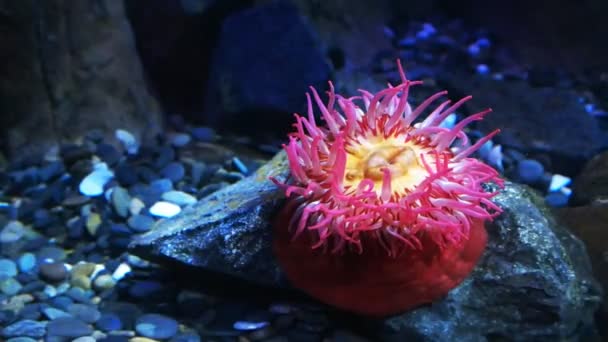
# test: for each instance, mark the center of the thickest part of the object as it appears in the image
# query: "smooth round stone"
(556, 199)
(86, 313)
(12, 232)
(92, 224)
(180, 139)
(179, 197)
(85, 339)
(104, 282)
(186, 337)
(92, 185)
(164, 209)
(120, 201)
(204, 134)
(26, 262)
(21, 339)
(136, 206)
(530, 170)
(128, 140)
(10, 286)
(174, 171)
(156, 326)
(53, 271)
(162, 185)
(25, 328)
(109, 322)
(53, 313)
(50, 253)
(68, 327)
(140, 223)
(8, 268)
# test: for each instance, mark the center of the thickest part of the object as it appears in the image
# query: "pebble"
(85, 339)
(25, 328)
(86, 313)
(174, 171)
(156, 326)
(53, 271)
(162, 185)
(108, 322)
(92, 224)
(108, 153)
(10, 286)
(92, 185)
(248, 326)
(26, 262)
(21, 339)
(104, 282)
(530, 170)
(68, 327)
(179, 197)
(121, 201)
(8, 268)
(128, 140)
(53, 313)
(140, 223)
(558, 181)
(136, 206)
(204, 134)
(12, 232)
(180, 139)
(165, 209)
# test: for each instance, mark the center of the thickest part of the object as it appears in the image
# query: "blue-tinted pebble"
(156, 326)
(86, 313)
(11, 232)
(21, 339)
(482, 69)
(10, 286)
(530, 170)
(247, 326)
(53, 313)
(53, 271)
(240, 166)
(61, 302)
(120, 201)
(109, 322)
(68, 327)
(25, 328)
(204, 134)
(32, 286)
(79, 295)
(128, 140)
(166, 154)
(174, 171)
(180, 139)
(8, 268)
(197, 170)
(186, 337)
(31, 311)
(140, 223)
(179, 197)
(120, 229)
(93, 184)
(42, 218)
(26, 262)
(145, 288)
(556, 199)
(162, 185)
(50, 253)
(164, 209)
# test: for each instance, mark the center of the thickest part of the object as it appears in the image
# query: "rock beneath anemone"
(534, 281)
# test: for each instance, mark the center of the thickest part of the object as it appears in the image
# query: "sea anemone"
(385, 211)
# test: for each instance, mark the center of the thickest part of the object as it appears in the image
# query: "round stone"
(174, 171)
(165, 209)
(530, 170)
(8, 268)
(86, 313)
(179, 197)
(53, 271)
(140, 223)
(156, 326)
(10, 286)
(109, 322)
(26, 262)
(104, 282)
(68, 327)
(25, 328)
(12, 232)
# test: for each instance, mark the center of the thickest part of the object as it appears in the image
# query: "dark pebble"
(161, 185)
(530, 170)
(114, 338)
(86, 313)
(53, 271)
(186, 337)
(109, 322)
(145, 288)
(79, 295)
(61, 302)
(125, 175)
(156, 326)
(108, 153)
(166, 154)
(204, 134)
(51, 171)
(31, 311)
(174, 171)
(556, 199)
(68, 327)
(73, 153)
(50, 253)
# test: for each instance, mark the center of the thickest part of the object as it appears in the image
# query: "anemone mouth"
(372, 176)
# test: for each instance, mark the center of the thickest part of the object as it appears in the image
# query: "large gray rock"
(533, 283)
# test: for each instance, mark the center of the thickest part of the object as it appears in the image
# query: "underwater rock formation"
(69, 67)
(533, 282)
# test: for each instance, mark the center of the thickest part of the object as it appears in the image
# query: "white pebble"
(247, 326)
(128, 141)
(121, 271)
(165, 209)
(558, 181)
(93, 183)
